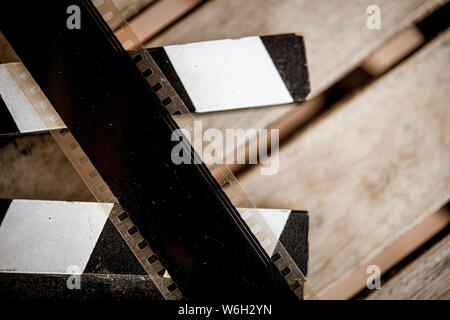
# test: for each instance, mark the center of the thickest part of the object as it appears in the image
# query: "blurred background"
(368, 155)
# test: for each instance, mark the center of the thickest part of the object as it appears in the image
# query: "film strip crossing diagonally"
(200, 74)
(236, 73)
(90, 254)
(119, 143)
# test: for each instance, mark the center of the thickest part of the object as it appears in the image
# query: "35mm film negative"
(61, 250)
(208, 76)
(87, 243)
(88, 173)
(169, 99)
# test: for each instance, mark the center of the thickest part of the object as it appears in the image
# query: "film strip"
(226, 179)
(89, 256)
(90, 176)
(169, 99)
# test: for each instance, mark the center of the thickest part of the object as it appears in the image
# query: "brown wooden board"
(369, 170)
(336, 38)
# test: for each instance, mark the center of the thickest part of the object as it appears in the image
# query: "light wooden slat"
(34, 167)
(350, 286)
(426, 278)
(336, 37)
(393, 51)
(371, 169)
(128, 8)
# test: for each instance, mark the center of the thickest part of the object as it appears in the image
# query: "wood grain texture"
(336, 38)
(34, 167)
(407, 244)
(393, 51)
(128, 8)
(425, 278)
(370, 169)
(160, 15)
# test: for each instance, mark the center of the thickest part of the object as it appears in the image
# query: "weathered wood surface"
(34, 167)
(427, 277)
(407, 244)
(264, 18)
(369, 170)
(336, 38)
(129, 8)
(360, 198)
(160, 15)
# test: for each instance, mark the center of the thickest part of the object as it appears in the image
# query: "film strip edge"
(226, 179)
(91, 178)
(171, 101)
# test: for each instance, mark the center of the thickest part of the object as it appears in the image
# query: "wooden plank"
(405, 245)
(369, 170)
(129, 8)
(425, 278)
(336, 38)
(34, 167)
(159, 16)
(393, 51)
(382, 59)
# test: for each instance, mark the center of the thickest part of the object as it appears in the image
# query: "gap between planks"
(423, 276)
(371, 169)
(388, 258)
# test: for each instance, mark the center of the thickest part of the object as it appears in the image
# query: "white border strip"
(228, 74)
(50, 236)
